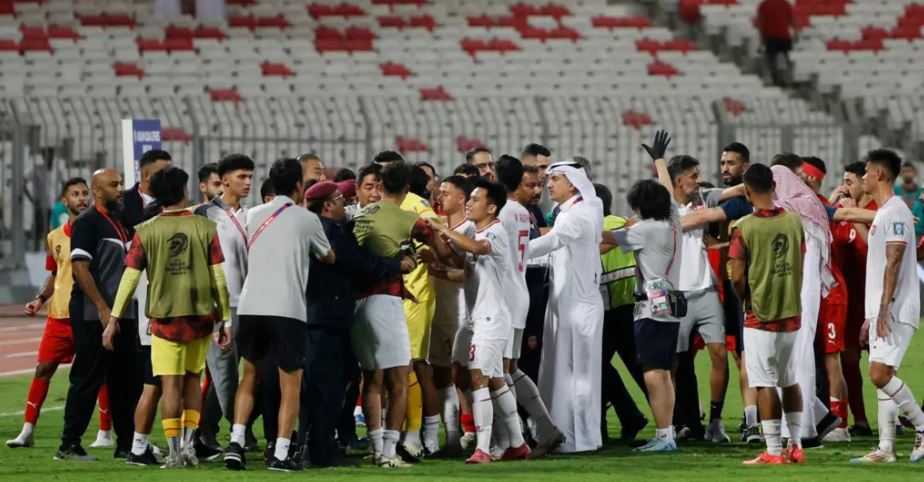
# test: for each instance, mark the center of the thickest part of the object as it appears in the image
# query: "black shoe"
(405, 455)
(205, 453)
(287, 465)
(827, 424)
(630, 431)
(121, 453)
(143, 460)
(269, 452)
(251, 444)
(811, 443)
(861, 431)
(751, 435)
(234, 457)
(73, 452)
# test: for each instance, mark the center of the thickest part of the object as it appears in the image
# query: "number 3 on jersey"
(522, 242)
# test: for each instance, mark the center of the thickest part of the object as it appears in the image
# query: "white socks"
(389, 443)
(528, 396)
(904, 399)
(888, 413)
(238, 432)
(282, 448)
(431, 431)
(412, 439)
(27, 429)
(375, 440)
(139, 443)
(505, 409)
(772, 436)
(450, 413)
(794, 423)
(665, 434)
(750, 415)
(483, 411)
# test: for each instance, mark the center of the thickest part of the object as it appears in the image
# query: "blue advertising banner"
(138, 136)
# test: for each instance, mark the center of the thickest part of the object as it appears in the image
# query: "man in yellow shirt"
(57, 345)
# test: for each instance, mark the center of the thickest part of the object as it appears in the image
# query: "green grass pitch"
(698, 461)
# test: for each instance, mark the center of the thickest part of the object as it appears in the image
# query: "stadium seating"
(867, 53)
(346, 78)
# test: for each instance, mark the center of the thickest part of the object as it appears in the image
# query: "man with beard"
(209, 182)
(57, 345)
(99, 243)
(139, 196)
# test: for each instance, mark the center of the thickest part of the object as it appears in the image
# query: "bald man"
(99, 243)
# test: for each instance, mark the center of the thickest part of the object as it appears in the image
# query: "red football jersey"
(850, 249)
(838, 293)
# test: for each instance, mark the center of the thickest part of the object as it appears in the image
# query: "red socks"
(37, 393)
(105, 418)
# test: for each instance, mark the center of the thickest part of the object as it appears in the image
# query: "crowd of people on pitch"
(489, 303)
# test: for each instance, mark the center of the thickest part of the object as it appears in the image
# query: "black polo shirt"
(102, 240)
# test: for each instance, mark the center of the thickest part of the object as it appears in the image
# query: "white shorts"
(462, 345)
(380, 336)
(705, 315)
(442, 335)
(487, 354)
(770, 358)
(514, 345)
(890, 350)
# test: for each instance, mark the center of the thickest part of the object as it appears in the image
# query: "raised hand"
(657, 148)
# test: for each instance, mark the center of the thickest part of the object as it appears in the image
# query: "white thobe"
(570, 372)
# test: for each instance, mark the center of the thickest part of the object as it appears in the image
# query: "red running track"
(19, 340)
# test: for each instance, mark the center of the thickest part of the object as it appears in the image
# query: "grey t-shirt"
(656, 245)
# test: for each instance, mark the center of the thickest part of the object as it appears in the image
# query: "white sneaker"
(392, 463)
(837, 435)
(497, 452)
(22, 440)
(103, 440)
(158, 453)
(189, 455)
(467, 440)
(657, 445)
(715, 433)
(917, 454)
(877, 456)
(174, 461)
(548, 443)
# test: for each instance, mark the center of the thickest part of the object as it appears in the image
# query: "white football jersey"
(893, 224)
(515, 219)
(484, 284)
(450, 292)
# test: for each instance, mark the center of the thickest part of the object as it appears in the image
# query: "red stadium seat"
(33, 32)
(406, 144)
(329, 45)
(358, 45)
(392, 21)
(276, 69)
(874, 33)
(8, 45)
(502, 45)
(7, 8)
(436, 93)
(361, 33)
(203, 31)
(323, 32)
(564, 33)
(62, 32)
(635, 119)
(106, 20)
(464, 144)
(603, 21)
(348, 10)
(178, 44)
(35, 44)
(662, 69)
(482, 21)
(125, 69)
(173, 31)
(423, 21)
(224, 95)
(395, 70)
(554, 10)
(734, 107)
(647, 45)
(277, 21)
(148, 44)
(242, 21)
(523, 9)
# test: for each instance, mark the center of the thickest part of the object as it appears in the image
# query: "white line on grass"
(20, 413)
(20, 340)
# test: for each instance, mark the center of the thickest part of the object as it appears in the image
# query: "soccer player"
(765, 269)
(210, 184)
(449, 312)
(892, 304)
(487, 263)
(182, 255)
(272, 308)
(235, 172)
(380, 337)
(515, 220)
(571, 348)
(850, 241)
(99, 243)
(57, 345)
(423, 399)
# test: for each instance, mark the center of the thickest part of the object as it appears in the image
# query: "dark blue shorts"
(656, 343)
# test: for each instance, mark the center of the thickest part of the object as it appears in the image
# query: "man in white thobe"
(569, 375)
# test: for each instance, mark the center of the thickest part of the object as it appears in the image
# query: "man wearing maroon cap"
(331, 301)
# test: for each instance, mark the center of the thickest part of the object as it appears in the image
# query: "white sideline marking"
(56, 408)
